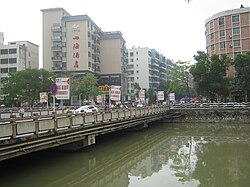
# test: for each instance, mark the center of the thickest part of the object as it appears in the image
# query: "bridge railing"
(42, 126)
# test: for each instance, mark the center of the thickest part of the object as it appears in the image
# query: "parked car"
(86, 108)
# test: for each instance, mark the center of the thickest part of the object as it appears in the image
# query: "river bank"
(210, 116)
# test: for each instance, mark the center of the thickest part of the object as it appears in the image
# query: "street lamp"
(79, 98)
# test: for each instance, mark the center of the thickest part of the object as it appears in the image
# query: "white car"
(86, 108)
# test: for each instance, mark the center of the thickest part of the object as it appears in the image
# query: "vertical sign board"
(115, 93)
(160, 95)
(43, 97)
(142, 95)
(63, 88)
(171, 96)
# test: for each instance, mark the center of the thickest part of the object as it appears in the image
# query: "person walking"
(21, 112)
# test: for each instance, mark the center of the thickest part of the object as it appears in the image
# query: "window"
(12, 51)
(211, 24)
(221, 21)
(4, 61)
(12, 60)
(212, 37)
(131, 54)
(131, 60)
(236, 31)
(222, 33)
(4, 70)
(212, 47)
(4, 51)
(236, 43)
(235, 18)
(236, 53)
(89, 64)
(222, 45)
(12, 69)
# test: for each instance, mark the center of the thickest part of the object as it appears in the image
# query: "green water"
(205, 155)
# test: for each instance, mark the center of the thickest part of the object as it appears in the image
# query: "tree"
(210, 75)
(151, 95)
(137, 89)
(25, 86)
(179, 78)
(87, 87)
(242, 76)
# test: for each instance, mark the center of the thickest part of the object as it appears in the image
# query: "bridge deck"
(22, 136)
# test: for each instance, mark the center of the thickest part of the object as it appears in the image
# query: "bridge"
(19, 136)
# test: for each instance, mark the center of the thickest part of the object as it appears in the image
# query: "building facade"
(17, 56)
(228, 32)
(147, 67)
(75, 44)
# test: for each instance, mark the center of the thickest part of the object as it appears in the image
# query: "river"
(175, 155)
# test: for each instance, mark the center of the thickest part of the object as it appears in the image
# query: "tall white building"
(17, 56)
(147, 67)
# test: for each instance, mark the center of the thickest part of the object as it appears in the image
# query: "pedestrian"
(21, 112)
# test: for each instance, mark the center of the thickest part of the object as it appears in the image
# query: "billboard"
(63, 88)
(142, 95)
(115, 93)
(160, 95)
(43, 97)
(171, 96)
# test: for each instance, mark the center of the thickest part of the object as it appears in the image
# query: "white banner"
(160, 95)
(171, 96)
(115, 93)
(63, 88)
(142, 95)
(43, 97)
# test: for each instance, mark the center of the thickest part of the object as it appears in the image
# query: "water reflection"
(163, 155)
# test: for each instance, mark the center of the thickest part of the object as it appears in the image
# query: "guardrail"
(20, 129)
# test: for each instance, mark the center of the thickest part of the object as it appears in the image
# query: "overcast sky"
(174, 28)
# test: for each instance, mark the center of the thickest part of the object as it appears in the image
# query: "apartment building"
(75, 44)
(17, 56)
(147, 67)
(228, 32)
(113, 61)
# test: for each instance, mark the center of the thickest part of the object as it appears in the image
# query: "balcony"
(56, 38)
(56, 59)
(56, 48)
(56, 28)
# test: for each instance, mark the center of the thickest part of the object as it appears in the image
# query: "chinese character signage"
(104, 89)
(171, 96)
(43, 97)
(115, 93)
(142, 95)
(76, 45)
(160, 95)
(63, 88)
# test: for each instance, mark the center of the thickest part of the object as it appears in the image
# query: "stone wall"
(210, 115)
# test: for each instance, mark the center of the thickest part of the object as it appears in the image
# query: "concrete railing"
(40, 126)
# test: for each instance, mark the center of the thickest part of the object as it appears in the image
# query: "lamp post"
(53, 89)
(79, 98)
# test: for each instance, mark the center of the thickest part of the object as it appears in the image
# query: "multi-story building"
(75, 44)
(147, 67)
(17, 56)
(228, 32)
(113, 61)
